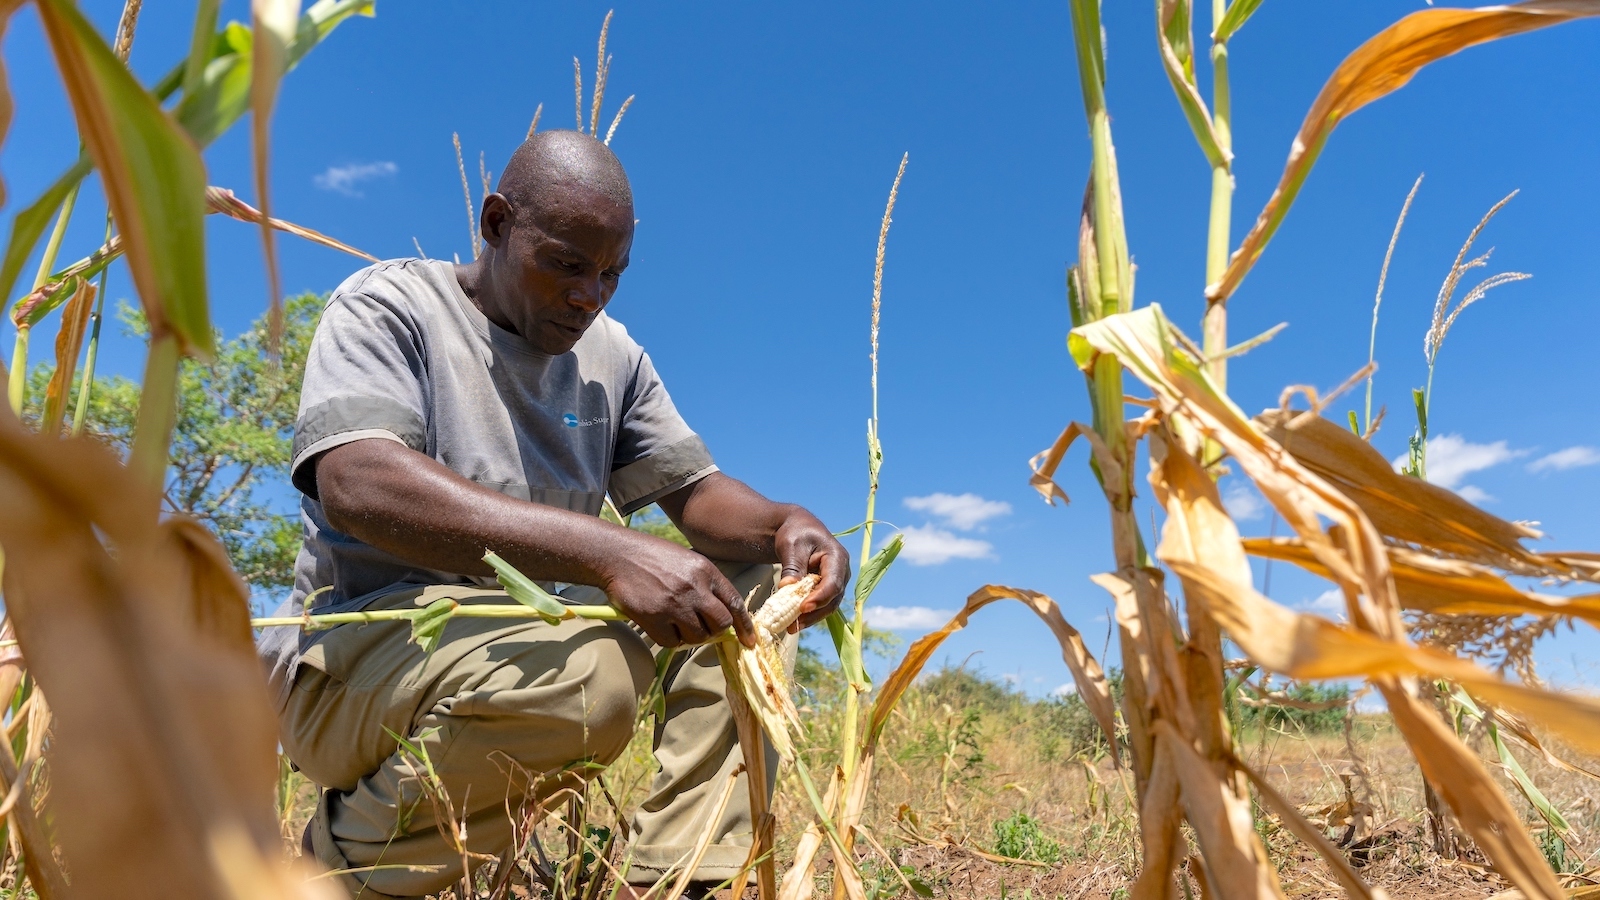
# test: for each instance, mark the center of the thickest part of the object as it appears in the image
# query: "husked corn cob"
(783, 607)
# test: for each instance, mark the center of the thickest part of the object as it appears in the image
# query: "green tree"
(230, 449)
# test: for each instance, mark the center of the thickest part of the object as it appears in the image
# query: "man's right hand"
(676, 595)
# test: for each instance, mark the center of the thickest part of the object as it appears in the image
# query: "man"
(447, 410)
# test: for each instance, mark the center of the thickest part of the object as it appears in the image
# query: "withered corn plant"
(1394, 543)
(134, 674)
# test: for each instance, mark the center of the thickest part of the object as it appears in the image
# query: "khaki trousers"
(499, 704)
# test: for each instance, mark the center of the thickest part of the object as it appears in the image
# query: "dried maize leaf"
(1461, 779)
(1142, 342)
(69, 340)
(222, 200)
(1399, 506)
(1236, 861)
(143, 643)
(1137, 673)
(1086, 672)
(1382, 65)
(1445, 586)
(1160, 834)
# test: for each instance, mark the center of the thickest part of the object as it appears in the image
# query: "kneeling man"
(449, 409)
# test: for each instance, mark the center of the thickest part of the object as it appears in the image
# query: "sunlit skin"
(545, 274)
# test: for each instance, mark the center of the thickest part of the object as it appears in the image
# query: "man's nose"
(588, 297)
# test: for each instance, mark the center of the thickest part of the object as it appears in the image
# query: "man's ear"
(494, 223)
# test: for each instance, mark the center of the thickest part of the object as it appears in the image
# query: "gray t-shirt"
(401, 354)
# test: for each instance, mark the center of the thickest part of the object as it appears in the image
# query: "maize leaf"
(1236, 861)
(1399, 506)
(1445, 586)
(1461, 779)
(1175, 37)
(152, 173)
(151, 644)
(272, 30)
(29, 225)
(1239, 12)
(7, 108)
(69, 340)
(1160, 832)
(526, 591)
(1085, 671)
(1382, 65)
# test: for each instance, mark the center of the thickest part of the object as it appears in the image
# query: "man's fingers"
(825, 597)
(733, 605)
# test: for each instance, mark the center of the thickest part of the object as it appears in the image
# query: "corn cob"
(783, 607)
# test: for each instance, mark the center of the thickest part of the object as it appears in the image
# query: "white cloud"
(1065, 690)
(1011, 679)
(1451, 458)
(929, 545)
(962, 512)
(1562, 460)
(1329, 603)
(343, 179)
(1474, 494)
(1243, 502)
(907, 618)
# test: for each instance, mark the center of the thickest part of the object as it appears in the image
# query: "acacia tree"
(230, 447)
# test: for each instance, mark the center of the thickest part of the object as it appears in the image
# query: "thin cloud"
(1451, 458)
(962, 512)
(1064, 690)
(1329, 603)
(1243, 502)
(907, 618)
(1562, 460)
(343, 179)
(929, 545)
(1474, 494)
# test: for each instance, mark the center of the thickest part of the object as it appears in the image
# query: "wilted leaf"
(1313, 836)
(1085, 671)
(119, 643)
(1447, 587)
(1382, 65)
(1399, 506)
(427, 626)
(222, 200)
(152, 174)
(272, 28)
(1235, 858)
(526, 591)
(1175, 34)
(69, 340)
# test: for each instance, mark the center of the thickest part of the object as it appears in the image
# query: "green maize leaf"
(222, 95)
(1355, 424)
(273, 25)
(152, 173)
(1086, 33)
(1467, 708)
(873, 571)
(29, 225)
(427, 626)
(850, 661)
(1238, 13)
(526, 591)
(1175, 34)
(200, 44)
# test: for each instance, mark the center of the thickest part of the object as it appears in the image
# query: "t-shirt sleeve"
(365, 378)
(657, 453)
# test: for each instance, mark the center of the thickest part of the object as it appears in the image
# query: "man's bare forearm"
(410, 505)
(726, 519)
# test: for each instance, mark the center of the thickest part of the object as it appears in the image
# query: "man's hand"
(805, 546)
(677, 596)
(725, 519)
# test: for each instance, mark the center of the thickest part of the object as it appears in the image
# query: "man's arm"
(724, 518)
(412, 506)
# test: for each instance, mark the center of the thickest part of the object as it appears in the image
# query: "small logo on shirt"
(571, 420)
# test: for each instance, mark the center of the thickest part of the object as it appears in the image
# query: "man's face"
(561, 268)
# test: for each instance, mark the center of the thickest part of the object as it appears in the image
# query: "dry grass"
(968, 754)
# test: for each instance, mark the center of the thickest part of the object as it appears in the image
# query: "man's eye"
(612, 274)
(566, 266)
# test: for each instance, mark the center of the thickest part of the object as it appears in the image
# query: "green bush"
(1020, 837)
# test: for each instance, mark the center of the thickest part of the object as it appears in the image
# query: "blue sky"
(761, 146)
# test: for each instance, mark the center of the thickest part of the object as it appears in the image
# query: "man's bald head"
(555, 170)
